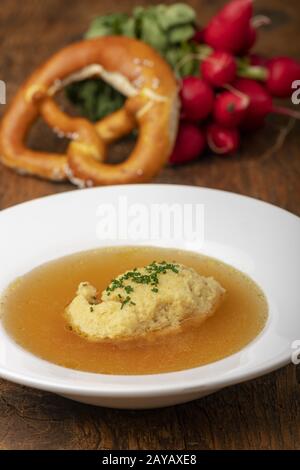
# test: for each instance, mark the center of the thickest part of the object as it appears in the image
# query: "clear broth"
(32, 312)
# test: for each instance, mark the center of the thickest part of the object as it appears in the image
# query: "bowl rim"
(140, 391)
(71, 192)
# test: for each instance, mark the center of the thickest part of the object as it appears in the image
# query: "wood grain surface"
(263, 413)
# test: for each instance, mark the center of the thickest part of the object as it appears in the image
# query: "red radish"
(257, 59)
(189, 144)
(227, 31)
(260, 104)
(282, 71)
(222, 140)
(230, 108)
(198, 36)
(250, 40)
(219, 68)
(251, 35)
(197, 98)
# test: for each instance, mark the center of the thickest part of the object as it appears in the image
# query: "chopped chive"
(153, 270)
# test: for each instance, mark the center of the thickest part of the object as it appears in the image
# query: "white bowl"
(255, 237)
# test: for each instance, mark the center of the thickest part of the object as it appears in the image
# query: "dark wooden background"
(263, 413)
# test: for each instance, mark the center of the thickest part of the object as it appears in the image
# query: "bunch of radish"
(235, 88)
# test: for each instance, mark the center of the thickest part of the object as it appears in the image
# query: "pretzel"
(135, 70)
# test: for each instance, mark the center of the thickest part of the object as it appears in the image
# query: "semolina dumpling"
(158, 297)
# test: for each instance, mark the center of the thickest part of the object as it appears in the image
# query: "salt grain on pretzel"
(151, 105)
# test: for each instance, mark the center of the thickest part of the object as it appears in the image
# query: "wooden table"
(263, 413)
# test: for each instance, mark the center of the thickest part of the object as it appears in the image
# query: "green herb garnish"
(128, 289)
(124, 302)
(154, 270)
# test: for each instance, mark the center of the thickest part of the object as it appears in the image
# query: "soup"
(33, 307)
